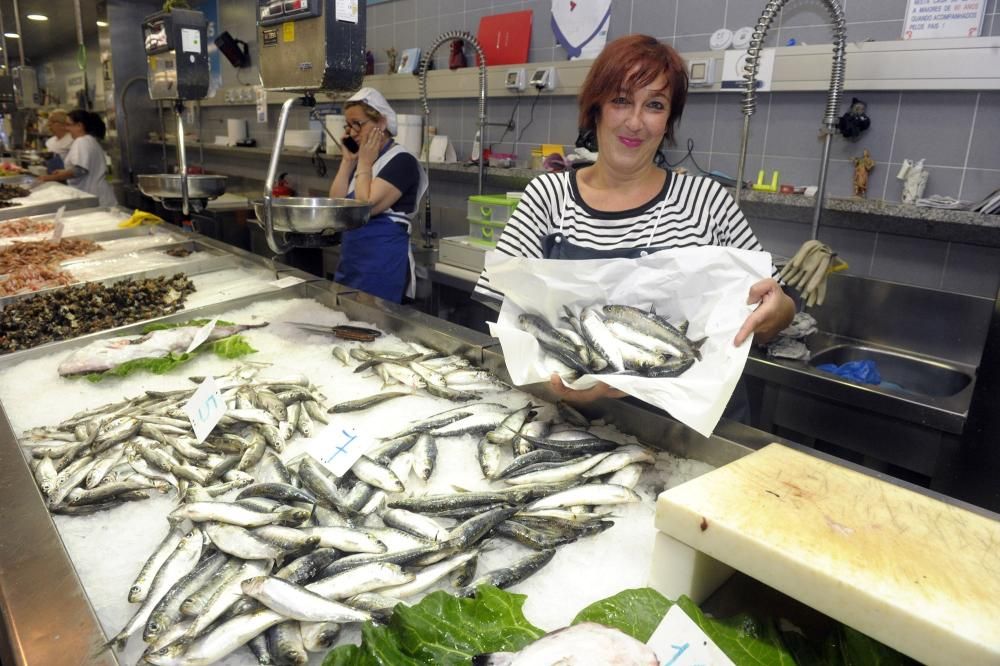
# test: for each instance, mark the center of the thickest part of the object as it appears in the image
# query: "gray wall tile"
(654, 18)
(979, 183)
(855, 247)
(882, 110)
(804, 13)
(984, 153)
(910, 260)
(404, 10)
(778, 237)
(972, 269)
(700, 17)
(697, 122)
(866, 10)
(541, 28)
(793, 125)
(877, 30)
(621, 19)
(406, 35)
(936, 124)
(740, 13)
(379, 14)
(451, 6)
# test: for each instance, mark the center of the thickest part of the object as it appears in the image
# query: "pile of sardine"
(300, 552)
(101, 458)
(618, 339)
(87, 308)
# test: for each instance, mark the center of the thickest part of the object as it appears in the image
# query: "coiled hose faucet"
(749, 103)
(424, 64)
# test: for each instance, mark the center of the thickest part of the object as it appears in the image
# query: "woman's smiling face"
(632, 124)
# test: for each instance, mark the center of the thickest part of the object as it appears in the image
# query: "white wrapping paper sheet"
(708, 286)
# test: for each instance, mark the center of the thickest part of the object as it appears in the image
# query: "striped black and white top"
(689, 211)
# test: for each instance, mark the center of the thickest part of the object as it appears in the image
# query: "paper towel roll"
(236, 130)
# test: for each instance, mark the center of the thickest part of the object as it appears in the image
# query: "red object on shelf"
(505, 38)
(282, 188)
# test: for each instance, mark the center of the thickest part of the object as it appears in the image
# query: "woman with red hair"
(625, 204)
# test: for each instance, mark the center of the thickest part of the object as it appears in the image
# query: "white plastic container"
(410, 132)
(304, 139)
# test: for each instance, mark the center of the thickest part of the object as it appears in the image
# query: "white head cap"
(374, 99)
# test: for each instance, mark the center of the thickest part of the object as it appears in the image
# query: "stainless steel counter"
(47, 617)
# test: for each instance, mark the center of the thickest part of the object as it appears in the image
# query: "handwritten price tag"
(678, 641)
(341, 447)
(202, 335)
(205, 408)
(287, 281)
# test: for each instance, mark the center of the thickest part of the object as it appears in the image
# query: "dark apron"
(556, 246)
(374, 258)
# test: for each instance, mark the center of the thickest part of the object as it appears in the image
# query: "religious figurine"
(392, 53)
(914, 178)
(457, 58)
(862, 167)
(369, 63)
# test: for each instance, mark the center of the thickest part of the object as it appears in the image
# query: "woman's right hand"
(595, 392)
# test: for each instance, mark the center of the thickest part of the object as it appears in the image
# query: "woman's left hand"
(774, 313)
(595, 392)
(368, 152)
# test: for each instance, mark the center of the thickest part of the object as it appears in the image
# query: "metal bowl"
(168, 186)
(314, 215)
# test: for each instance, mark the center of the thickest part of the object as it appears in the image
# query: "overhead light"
(102, 24)
(37, 17)
(11, 35)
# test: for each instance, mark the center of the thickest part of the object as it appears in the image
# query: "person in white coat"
(59, 143)
(85, 164)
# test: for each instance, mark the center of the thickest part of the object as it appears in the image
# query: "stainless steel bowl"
(168, 186)
(314, 215)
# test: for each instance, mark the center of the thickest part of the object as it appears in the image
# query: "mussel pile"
(8, 192)
(87, 308)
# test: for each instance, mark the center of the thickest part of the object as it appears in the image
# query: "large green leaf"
(232, 347)
(636, 612)
(443, 629)
(743, 639)
(858, 649)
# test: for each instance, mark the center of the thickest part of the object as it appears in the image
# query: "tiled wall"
(957, 133)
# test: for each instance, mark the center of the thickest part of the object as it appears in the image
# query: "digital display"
(155, 34)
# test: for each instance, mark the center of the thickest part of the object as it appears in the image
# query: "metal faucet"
(749, 103)
(424, 64)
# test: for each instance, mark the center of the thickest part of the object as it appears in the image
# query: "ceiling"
(42, 39)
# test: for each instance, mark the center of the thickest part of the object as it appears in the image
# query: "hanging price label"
(341, 447)
(202, 335)
(678, 641)
(205, 408)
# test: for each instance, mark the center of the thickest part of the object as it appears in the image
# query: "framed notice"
(928, 19)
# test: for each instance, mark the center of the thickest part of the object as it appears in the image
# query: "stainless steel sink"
(900, 371)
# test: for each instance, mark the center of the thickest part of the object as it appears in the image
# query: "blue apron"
(376, 258)
(556, 246)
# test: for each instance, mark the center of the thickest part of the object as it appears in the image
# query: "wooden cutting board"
(910, 571)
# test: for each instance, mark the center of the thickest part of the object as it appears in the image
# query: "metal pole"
(17, 26)
(182, 156)
(3, 44)
(272, 172)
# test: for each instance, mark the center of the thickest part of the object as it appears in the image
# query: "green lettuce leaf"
(636, 612)
(857, 648)
(235, 346)
(442, 630)
(742, 638)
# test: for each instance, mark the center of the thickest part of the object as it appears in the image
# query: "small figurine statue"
(914, 178)
(392, 53)
(457, 58)
(369, 63)
(862, 167)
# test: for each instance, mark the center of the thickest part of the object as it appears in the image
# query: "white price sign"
(927, 19)
(678, 641)
(205, 408)
(202, 335)
(340, 447)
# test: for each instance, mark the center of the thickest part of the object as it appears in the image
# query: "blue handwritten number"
(681, 649)
(343, 447)
(207, 408)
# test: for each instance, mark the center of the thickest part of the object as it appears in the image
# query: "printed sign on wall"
(928, 19)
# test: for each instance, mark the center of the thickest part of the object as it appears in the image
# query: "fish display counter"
(42, 199)
(368, 454)
(69, 594)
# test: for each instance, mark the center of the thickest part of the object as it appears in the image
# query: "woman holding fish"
(376, 257)
(626, 205)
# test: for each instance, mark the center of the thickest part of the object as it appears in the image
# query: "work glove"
(808, 269)
(139, 217)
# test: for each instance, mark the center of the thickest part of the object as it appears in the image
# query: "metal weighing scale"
(177, 61)
(307, 46)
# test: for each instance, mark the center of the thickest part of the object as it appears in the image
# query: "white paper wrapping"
(708, 286)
